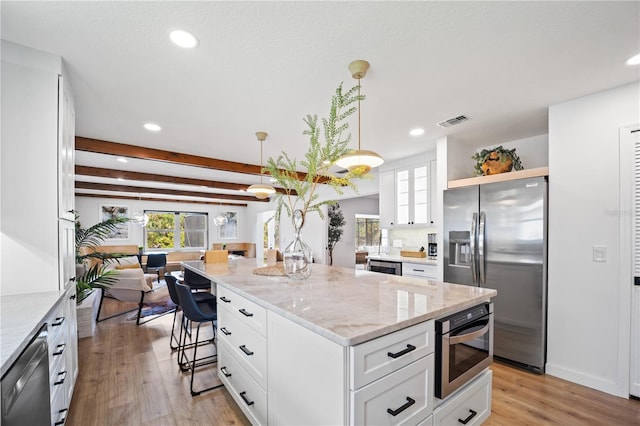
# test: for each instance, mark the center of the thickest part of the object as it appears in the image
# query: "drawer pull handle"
(245, 350)
(224, 371)
(60, 348)
(243, 395)
(402, 352)
(61, 421)
(418, 270)
(225, 331)
(59, 320)
(62, 377)
(409, 403)
(225, 300)
(245, 313)
(468, 419)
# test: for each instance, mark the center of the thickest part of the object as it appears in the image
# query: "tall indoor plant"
(335, 231)
(91, 272)
(324, 150)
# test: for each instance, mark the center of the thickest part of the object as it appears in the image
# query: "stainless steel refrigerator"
(495, 236)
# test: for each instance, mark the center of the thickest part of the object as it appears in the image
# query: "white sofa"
(132, 285)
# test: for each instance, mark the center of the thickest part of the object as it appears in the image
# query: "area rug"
(155, 308)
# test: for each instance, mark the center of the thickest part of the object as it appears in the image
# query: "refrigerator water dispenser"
(460, 248)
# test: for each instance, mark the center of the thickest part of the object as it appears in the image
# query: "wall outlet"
(599, 253)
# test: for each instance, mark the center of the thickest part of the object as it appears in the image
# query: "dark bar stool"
(196, 281)
(197, 313)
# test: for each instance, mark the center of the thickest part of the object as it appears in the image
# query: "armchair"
(132, 285)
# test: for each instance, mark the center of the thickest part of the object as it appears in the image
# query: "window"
(367, 231)
(176, 231)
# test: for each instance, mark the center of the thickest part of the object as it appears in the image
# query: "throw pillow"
(128, 266)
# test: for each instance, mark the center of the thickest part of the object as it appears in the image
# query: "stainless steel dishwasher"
(25, 386)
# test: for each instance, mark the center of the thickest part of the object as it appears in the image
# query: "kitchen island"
(343, 347)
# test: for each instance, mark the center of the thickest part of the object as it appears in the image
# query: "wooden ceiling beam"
(139, 189)
(113, 148)
(162, 200)
(151, 177)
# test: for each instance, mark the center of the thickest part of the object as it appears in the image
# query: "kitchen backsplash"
(410, 238)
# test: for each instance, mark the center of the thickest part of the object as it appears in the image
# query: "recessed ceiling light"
(416, 132)
(183, 39)
(634, 60)
(122, 159)
(152, 127)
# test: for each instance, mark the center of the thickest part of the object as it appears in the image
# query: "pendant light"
(359, 159)
(140, 217)
(220, 218)
(261, 191)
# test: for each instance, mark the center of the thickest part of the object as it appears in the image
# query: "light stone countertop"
(21, 316)
(397, 258)
(347, 306)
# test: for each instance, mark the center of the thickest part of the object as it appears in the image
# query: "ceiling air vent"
(453, 121)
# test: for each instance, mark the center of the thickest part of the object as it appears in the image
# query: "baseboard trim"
(597, 383)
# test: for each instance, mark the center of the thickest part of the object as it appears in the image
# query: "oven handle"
(469, 336)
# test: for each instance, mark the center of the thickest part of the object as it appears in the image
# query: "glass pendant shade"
(220, 219)
(140, 218)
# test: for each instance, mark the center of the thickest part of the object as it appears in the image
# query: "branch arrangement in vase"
(319, 158)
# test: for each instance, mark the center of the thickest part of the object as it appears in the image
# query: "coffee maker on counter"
(432, 247)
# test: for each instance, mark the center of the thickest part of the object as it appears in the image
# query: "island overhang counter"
(345, 346)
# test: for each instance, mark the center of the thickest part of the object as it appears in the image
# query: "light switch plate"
(599, 253)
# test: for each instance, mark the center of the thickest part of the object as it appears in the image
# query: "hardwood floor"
(128, 376)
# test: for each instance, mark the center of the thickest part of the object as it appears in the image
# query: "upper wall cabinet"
(406, 195)
(37, 173)
(66, 151)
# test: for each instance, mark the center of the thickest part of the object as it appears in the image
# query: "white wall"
(584, 309)
(89, 211)
(344, 251)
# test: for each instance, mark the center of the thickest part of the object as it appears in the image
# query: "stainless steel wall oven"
(464, 347)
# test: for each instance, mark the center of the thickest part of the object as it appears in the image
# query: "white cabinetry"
(420, 270)
(63, 356)
(407, 194)
(387, 199)
(471, 406)
(242, 352)
(37, 176)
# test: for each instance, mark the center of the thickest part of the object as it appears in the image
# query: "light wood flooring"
(129, 376)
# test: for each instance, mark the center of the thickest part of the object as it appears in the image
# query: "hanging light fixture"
(261, 191)
(220, 218)
(140, 217)
(359, 159)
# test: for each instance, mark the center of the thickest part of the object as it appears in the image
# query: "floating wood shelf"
(502, 177)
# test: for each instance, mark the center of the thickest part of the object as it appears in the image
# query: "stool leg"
(193, 366)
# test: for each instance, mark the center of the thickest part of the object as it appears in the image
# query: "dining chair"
(199, 313)
(156, 262)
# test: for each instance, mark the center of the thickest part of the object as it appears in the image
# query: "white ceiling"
(265, 65)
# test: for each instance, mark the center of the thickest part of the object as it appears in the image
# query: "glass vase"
(297, 256)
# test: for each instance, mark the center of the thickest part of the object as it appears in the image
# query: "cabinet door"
(66, 254)
(412, 187)
(387, 199)
(433, 191)
(72, 342)
(66, 152)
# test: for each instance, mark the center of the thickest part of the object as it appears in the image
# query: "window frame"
(177, 231)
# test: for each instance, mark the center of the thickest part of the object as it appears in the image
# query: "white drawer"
(404, 397)
(376, 358)
(59, 409)
(249, 396)
(420, 270)
(427, 422)
(251, 313)
(475, 398)
(247, 346)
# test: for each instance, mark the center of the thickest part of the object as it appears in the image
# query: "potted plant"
(496, 160)
(91, 273)
(336, 222)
